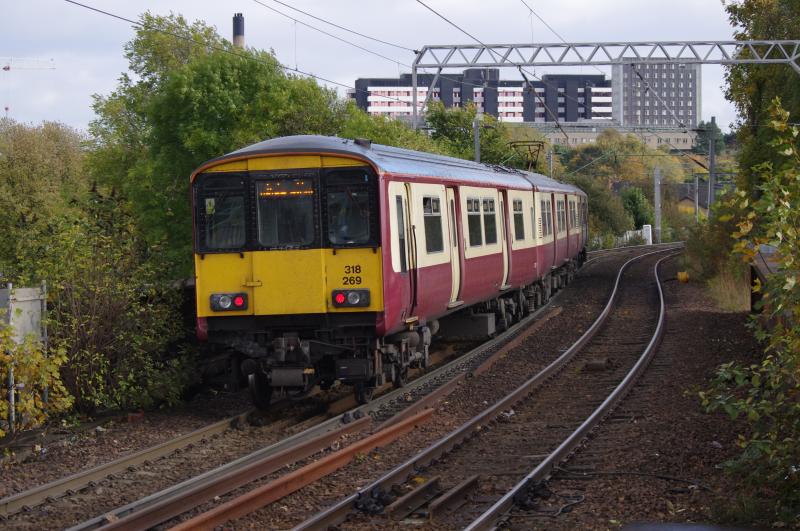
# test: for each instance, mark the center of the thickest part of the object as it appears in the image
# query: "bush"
(767, 394)
(34, 372)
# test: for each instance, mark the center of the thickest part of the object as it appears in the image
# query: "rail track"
(487, 476)
(389, 409)
(402, 407)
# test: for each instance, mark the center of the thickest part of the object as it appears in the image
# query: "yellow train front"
(288, 267)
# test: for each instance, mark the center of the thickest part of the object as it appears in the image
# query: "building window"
(431, 208)
(474, 222)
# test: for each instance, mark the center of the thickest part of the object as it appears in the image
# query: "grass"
(730, 289)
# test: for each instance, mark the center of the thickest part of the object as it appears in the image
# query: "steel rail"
(543, 470)
(285, 485)
(156, 502)
(612, 250)
(337, 513)
(74, 482)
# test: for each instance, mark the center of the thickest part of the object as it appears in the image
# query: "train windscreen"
(286, 212)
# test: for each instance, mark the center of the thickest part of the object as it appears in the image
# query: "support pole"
(696, 198)
(550, 163)
(414, 114)
(476, 135)
(712, 163)
(657, 203)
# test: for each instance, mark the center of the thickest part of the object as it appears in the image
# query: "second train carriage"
(320, 259)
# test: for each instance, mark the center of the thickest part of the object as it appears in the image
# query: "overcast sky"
(86, 48)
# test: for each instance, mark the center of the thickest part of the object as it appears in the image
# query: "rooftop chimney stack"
(238, 30)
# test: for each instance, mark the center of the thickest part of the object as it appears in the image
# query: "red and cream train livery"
(321, 259)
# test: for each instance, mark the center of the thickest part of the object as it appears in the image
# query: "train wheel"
(260, 391)
(363, 392)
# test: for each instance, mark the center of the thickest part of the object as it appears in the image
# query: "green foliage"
(454, 130)
(704, 136)
(34, 372)
(767, 394)
(752, 87)
(637, 206)
(607, 214)
(382, 130)
(111, 316)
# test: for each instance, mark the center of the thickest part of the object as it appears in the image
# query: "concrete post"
(657, 203)
(712, 163)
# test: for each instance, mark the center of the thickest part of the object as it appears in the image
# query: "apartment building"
(663, 95)
(563, 98)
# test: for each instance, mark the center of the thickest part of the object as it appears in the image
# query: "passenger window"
(489, 221)
(519, 221)
(547, 218)
(474, 222)
(401, 232)
(434, 241)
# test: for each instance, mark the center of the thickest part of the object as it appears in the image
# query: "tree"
(637, 205)
(194, 98)
(752, 88)
(704, 135)
(453, 128)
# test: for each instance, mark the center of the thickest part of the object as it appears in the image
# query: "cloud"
(88, 47)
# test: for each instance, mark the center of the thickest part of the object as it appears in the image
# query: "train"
(322, 259)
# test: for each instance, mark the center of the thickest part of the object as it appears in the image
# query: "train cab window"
(432, 211)
(286, 212)
(474, 222)
(220, 213)
(224, 222)
(350, 209)
(519, 221)
(489, 222)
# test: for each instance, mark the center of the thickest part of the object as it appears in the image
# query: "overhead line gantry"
(444, 56)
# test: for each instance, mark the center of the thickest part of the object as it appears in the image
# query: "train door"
(504, 239)
(403, 256)
(455, 253)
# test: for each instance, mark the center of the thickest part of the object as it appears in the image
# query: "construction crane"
(21, 63)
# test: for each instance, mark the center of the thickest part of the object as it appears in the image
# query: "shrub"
(767, 393)
(34, 372)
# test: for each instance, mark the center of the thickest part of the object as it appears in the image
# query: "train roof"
(401, 161)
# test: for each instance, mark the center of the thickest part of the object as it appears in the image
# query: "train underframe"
(294, 354)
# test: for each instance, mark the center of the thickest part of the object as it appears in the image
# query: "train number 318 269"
(352, 277)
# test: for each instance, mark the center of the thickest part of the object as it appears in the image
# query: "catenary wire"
(367, 50)
(399, 46)
(521, 70)
(557, 34)
(218, 48)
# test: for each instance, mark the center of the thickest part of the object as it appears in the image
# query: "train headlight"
(228, 302)
(225, 302)
(349, 298)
